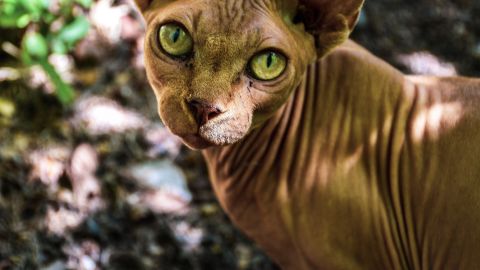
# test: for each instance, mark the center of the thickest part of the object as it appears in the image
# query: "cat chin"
(221, 131)
(223, 134)
(205, 140)
(196, 142)
(209, 137)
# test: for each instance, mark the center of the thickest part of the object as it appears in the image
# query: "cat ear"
(143, 4)
(330, 21)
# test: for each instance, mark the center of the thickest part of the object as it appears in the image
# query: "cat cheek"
(174, 114)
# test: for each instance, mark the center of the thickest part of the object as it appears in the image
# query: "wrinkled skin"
(223, 54)
(342, 162)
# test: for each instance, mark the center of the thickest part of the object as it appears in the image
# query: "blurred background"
(89, 177)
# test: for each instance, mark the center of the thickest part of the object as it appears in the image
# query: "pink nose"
(203, 111)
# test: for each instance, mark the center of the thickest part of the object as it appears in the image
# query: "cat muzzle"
(203, 111)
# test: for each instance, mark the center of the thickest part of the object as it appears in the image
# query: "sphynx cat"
(325, 155)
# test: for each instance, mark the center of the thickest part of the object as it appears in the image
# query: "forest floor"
(103, 185)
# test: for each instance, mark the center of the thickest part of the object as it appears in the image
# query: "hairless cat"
(325, 155)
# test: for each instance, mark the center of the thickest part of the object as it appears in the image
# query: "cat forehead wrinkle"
(230, 42)
(232, 14)
(222, 16)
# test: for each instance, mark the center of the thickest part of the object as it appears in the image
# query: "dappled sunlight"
(38, 78)
(105, 17)
(434, 120)
(9, 74)
(352, 160)
(423, 80)
(158, 201)
(343, 167)
(86, 186)
(425, 63)
(164, 187)
(372, 141)
(188, 235)
(99, 115)
(139, 59)
(48, 164)
(83, 256)
(64, 64)
(60, 220)
(162, 141)
(432, 117)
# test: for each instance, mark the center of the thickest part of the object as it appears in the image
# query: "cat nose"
(203, 111)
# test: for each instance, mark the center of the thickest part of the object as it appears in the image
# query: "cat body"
(363, 168)
(339, 162)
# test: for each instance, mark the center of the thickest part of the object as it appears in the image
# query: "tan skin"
(339, 162)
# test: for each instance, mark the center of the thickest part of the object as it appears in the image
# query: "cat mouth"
(218, 132)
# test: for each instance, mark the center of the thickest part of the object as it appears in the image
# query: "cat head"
(220, 68)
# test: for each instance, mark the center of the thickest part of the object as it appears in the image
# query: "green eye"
(267, 65)
(175, 40)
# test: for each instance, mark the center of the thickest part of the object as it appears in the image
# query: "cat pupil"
(270, 59)
(176, 35)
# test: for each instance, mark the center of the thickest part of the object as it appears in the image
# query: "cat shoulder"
(353, 59)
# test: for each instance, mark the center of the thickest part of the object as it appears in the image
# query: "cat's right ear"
(329, 21)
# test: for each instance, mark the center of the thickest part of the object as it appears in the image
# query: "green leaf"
(64, 91)
(49, 18)
(84, 3)
(9, 8)
(44, 3)
(31, 5)
(11, 13)
(23, 21)
(34, 8)
(26, 58)
(74, 31)
(8, 21)
(35, 45)
(58, 46)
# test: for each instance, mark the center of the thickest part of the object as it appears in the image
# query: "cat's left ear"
(330, 21)
(143, 4)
